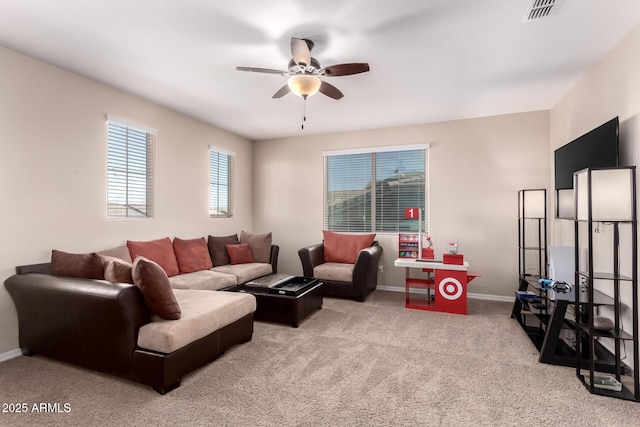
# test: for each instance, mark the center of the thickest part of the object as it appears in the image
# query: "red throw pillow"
(156, 289)
(344, 248)
(192, 255)
(240, 254)
(159, 251)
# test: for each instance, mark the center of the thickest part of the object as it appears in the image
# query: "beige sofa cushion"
(334, 271)
(203, 312)
(203, 279)
(245, 272)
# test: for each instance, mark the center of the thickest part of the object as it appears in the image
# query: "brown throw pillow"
(344, 248)
(117, 270)
(260, 245)
(159, 251)
(218, 248)
(86, 266)
(192, 255)
(156, 289)
(240, 254)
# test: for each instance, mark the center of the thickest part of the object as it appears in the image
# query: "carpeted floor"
(349, 364)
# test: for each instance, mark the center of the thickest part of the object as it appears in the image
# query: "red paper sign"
(411, 213)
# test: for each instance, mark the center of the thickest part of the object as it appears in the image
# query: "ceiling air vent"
(539, 9)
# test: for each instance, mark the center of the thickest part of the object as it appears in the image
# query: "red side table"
(445, 292)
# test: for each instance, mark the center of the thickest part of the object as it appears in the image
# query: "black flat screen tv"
(595, 149)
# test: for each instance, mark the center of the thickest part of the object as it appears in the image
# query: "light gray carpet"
(349, 364)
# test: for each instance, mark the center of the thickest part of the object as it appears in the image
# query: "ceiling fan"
(305, 72)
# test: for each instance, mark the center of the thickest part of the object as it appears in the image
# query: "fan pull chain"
(304, 111)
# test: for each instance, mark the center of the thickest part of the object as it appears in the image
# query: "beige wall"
(53, 171)
(610, 89)
(477, 167)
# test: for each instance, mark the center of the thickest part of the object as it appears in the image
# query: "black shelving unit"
(532, 235)
(595, 215)
(541, 321)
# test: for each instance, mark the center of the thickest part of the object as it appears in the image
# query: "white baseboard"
(390, 288)
(10, 355)
(486, 297)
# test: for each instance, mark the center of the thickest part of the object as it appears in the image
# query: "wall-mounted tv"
(595, 149)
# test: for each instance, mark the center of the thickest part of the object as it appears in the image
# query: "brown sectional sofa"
(108, 327)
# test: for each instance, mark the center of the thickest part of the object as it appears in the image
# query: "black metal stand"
(589, 339)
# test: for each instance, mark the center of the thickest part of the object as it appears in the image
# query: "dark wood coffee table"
(279, 308)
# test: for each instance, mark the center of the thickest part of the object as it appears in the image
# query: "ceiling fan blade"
(261, 70)
(300, 51)
(282, 92)
(330, 90)
(346, 69)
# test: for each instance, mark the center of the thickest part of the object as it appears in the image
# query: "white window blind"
(220, 183)
(129, 169)
(369, 191)
(348, 192)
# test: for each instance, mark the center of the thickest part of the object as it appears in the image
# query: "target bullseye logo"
(450, 288)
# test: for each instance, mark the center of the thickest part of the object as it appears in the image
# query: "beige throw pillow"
(260, 245)
(121, 252)
(117, 270)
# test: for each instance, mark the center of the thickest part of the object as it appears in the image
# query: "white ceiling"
(430, 60)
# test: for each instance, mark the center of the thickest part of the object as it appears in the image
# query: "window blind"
(369, 191)
(348, 192)
(220, 184)
(401, 184)
(129, 170)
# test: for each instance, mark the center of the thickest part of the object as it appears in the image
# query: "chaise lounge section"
(108, 327)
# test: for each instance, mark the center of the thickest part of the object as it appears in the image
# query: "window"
(129, 169)
(368, 191)
(220, 183)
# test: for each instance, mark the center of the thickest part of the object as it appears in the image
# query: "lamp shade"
(566, 201)
(533, 203)
(304, 85)
(611, 193)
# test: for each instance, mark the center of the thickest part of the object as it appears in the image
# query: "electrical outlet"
(380, 268)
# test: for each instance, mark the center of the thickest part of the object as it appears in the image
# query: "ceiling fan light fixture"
(304, 85)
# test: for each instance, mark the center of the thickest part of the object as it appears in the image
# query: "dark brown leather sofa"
(364, 278)
(95, 324)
